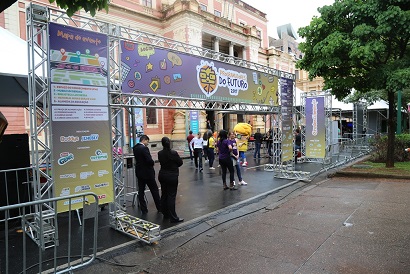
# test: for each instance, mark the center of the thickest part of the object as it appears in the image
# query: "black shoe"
(166, 217)
(201, 169)
(144, 211)
(179, 220)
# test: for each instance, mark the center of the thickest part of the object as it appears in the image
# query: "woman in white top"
(197, 144)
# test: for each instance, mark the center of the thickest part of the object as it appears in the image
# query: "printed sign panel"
(150, 70)
(138, 120)
(194, 121)
(82, 150)
(286, 93)
(315, 127)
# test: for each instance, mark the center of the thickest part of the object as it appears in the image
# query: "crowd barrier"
(75, 244)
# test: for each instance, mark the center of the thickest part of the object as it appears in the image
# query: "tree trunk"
(392, 127)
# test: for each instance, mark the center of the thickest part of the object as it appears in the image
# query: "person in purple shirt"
(224, 150)
(235, 157)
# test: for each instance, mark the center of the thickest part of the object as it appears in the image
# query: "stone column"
(216, 44)
(244, 53)
(231, 48)
(179, 130)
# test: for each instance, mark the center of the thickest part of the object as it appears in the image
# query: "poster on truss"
(286, 93)
(80, 122)
(136, 117)
(315, 139)
(151, 70)
(194, 121)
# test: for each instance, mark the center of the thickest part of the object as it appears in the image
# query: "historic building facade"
(232, 27)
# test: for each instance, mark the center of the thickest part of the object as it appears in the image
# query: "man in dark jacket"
(144, 170)
(258, 143)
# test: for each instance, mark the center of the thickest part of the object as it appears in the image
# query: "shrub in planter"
(401, 142)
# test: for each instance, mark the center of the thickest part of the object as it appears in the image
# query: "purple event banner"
(286, 93)
(82, 148)
(150, 70)
(315, 127)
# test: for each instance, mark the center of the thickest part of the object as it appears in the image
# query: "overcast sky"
(280, 12)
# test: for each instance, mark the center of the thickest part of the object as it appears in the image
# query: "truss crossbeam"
(135, 227)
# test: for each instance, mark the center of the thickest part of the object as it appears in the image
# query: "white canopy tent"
(13, 70)
(336, 104)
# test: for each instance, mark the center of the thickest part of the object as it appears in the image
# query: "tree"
(91, 6)
(361, 44)
(376, 95)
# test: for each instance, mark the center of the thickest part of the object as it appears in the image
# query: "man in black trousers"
(144, 169)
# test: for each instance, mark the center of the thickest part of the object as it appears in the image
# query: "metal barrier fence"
(75, 244)
(16, 188)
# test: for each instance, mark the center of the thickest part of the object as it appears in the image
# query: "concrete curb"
(369, 175)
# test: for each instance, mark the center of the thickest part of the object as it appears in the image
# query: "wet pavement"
(221, 226)
(336, 225)
(201, 193)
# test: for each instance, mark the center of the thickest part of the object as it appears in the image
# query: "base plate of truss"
(291, 174)
(135, 227)
(41, 228)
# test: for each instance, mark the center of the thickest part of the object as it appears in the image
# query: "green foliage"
(376, 95)
(401, 142)
(370, 97)
(91, 6)
(359, 44)
(362, 45)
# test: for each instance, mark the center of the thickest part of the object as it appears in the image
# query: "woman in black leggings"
(224, 150)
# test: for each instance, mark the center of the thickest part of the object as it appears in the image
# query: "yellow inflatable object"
(243, 131)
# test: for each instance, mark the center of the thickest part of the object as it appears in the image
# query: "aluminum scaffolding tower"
(41, 227)
(281, 168)
(120, 104)
(328, 120)
(359, 121)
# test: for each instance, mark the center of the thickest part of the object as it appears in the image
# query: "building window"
(217, 13)
(259, 33)
(202, 7)
(152, 113)
(147, 3)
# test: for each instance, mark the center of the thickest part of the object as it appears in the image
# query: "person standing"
(144, 170)
(205, 146)
(298, 139)
(170, 162)
(208, 125)
(235, 157)
(258, 143)
(269, 141)
(224, 151)
(197, 144)
(211, 149)
(189, 139)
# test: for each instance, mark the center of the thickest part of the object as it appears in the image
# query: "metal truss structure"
(41, 148)
(328, 120)
(363, 107)
(281, 169)
(120, 104)
(135, 227)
